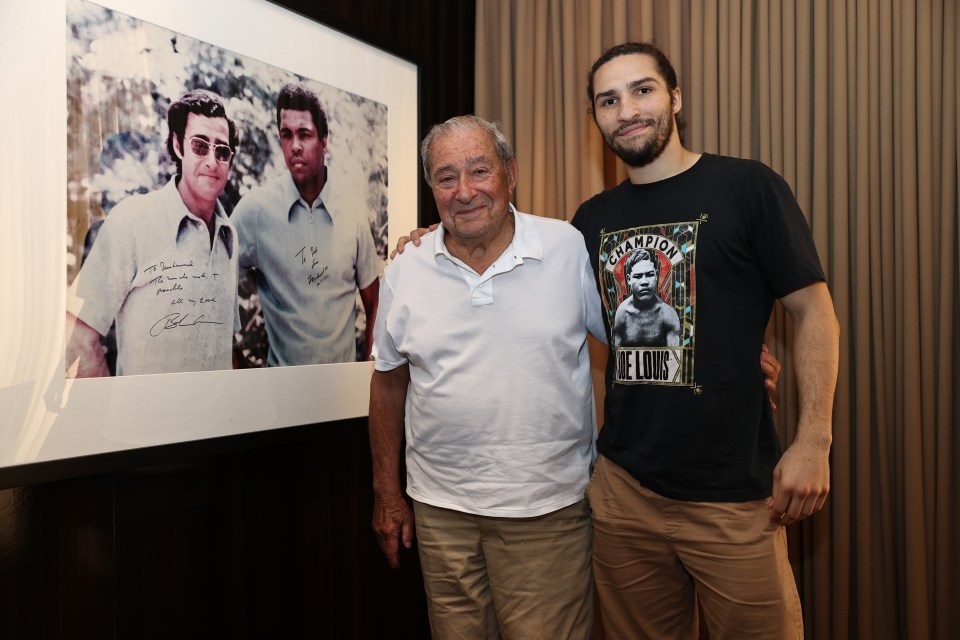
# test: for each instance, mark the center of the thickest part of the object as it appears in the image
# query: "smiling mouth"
(634, 128)
(468, 209)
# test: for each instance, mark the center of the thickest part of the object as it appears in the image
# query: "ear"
(177, 148)
(512, 170)
(676, 100)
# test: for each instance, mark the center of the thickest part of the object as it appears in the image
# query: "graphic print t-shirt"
(688, 269)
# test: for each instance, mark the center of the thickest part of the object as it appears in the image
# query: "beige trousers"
(656, 558)
(512, 578)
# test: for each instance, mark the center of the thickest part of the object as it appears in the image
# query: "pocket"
(591, 483)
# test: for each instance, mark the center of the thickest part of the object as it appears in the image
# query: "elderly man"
(164, 264)
(691, 490)
(481, 360)
(310, 252)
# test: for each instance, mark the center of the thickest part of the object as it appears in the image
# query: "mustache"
(635, 122)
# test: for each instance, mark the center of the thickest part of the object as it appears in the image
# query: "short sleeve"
(385, 354)
(593, 316)
(782, 238)
(106, 276)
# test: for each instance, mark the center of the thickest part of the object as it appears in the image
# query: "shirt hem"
(530, 512)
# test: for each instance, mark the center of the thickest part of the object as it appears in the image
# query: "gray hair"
(463, 124)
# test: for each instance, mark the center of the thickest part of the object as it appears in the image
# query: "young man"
(164, 265)
(310, 252)
(691, 493)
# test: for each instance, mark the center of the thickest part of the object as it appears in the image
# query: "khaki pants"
(655, 558)
(510, 578)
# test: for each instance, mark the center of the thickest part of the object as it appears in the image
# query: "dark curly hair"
(640, 255)
(299, 98)
(203, 103)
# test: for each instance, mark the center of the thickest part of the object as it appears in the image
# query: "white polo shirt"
(499, 413)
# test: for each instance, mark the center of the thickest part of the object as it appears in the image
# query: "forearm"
(388, 391)
(816, 357)
(370, 298)
(84, 350)
(368, 340)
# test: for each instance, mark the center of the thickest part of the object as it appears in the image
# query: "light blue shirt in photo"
(311, 259)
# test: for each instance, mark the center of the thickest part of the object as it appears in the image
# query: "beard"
(648, 151)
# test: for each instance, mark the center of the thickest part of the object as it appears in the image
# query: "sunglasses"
(201, 148)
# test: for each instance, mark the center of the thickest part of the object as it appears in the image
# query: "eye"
(199, 146)
(223, 153)
(607, 102)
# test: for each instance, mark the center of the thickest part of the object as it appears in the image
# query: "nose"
(628, 110)
(210, 159)
(465, 190)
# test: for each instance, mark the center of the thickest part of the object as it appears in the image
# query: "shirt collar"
(179, 217)
(327, 197)
(526, 242)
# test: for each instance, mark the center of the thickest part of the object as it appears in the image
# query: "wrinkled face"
(303, 148)
(634, 109)
(643, 280)
(204, 176)
(470, 184)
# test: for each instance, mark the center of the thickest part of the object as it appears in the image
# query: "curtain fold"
(855, 103)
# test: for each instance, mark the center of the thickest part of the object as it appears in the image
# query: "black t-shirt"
(708, 252)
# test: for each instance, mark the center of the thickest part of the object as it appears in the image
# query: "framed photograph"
(234, 174)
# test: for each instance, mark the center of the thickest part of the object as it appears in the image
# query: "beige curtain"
(854, 102)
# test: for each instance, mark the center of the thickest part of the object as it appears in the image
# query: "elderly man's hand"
(393, 525)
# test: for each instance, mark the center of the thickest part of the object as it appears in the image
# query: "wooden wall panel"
(56, 560)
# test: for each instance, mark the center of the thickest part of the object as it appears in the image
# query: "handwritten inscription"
(316, 273)
(164, 266)
(318, 278)
(182, 283)
(176, 287)
(177, 320)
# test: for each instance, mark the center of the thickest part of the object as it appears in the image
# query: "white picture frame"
(43, 415)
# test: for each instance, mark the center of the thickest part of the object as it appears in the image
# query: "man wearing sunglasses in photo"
(164, 265)
(308, 249)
